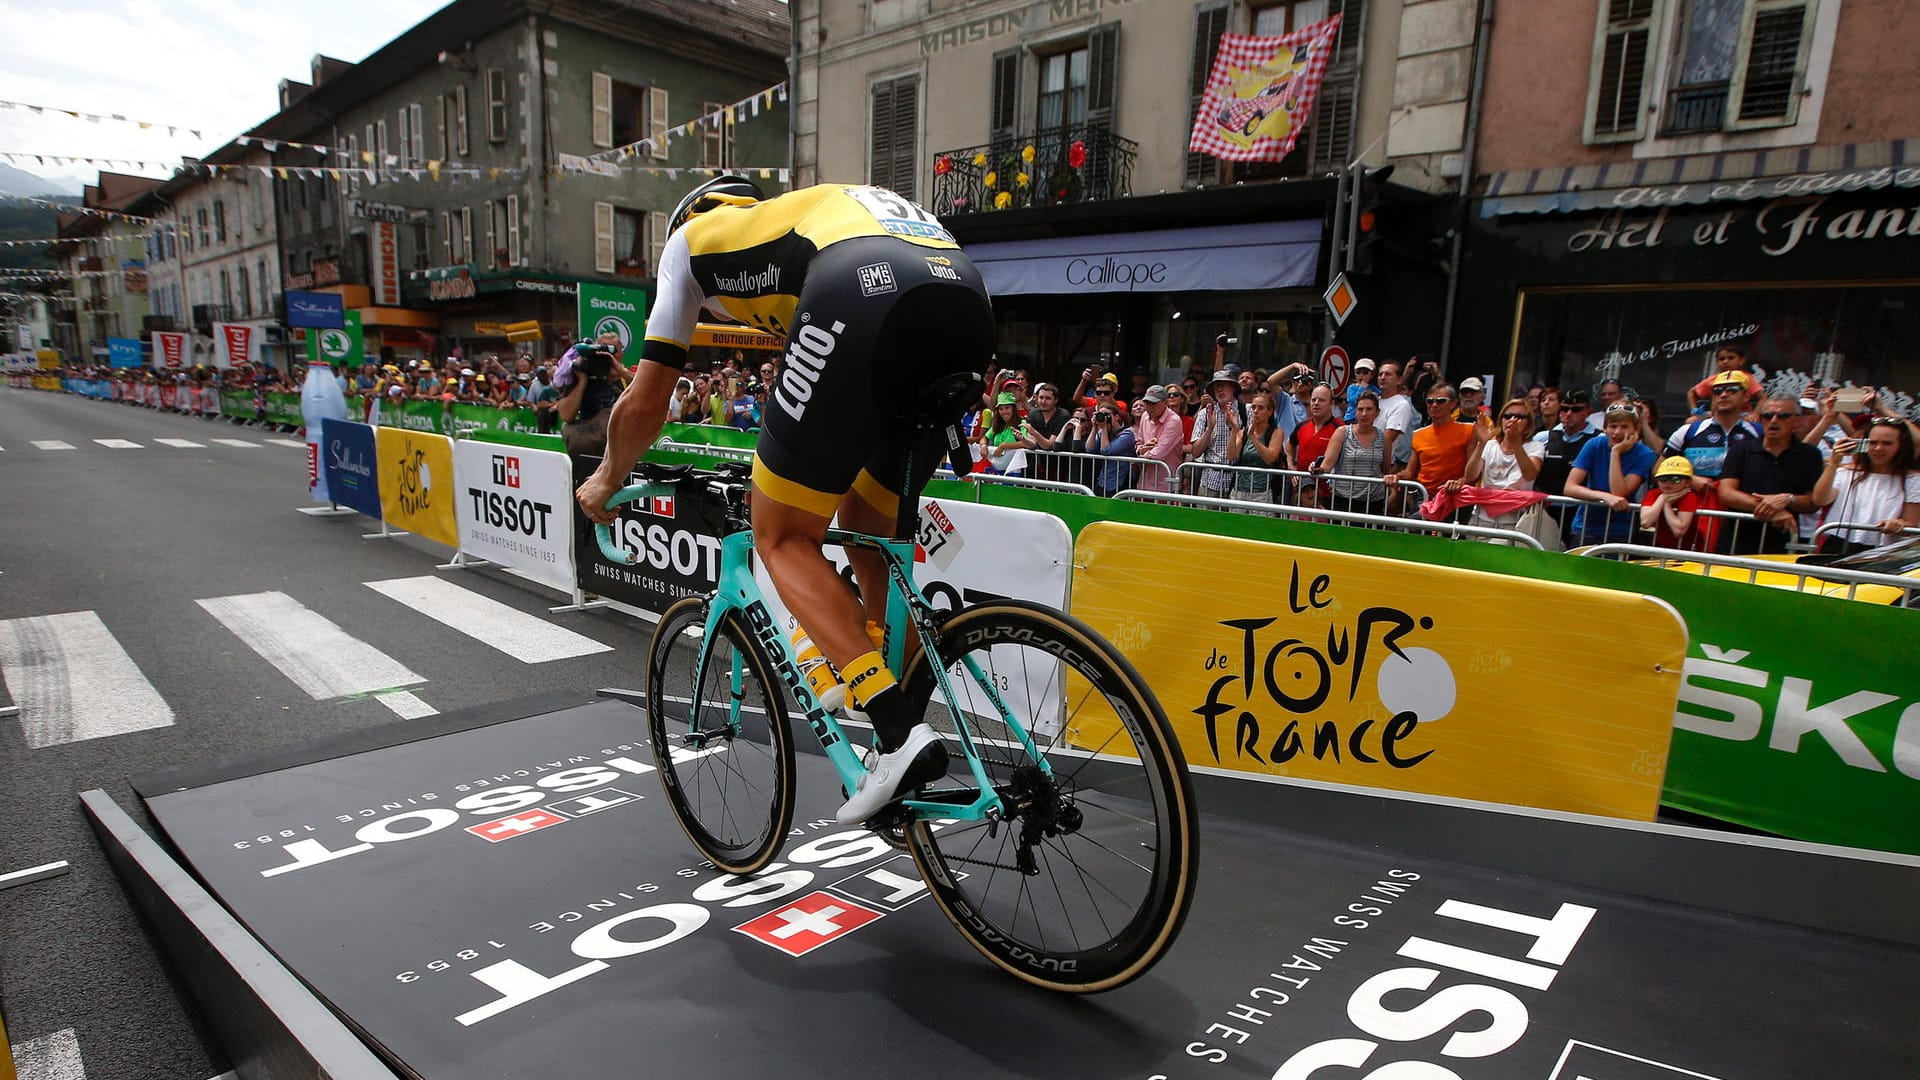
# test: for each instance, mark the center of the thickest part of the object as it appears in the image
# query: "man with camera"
(589, 387)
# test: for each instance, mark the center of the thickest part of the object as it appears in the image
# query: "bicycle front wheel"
(718, 723)
(1084, 884)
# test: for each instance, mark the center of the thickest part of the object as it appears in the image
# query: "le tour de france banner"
(515, 508)
(1319, 665)
(347, 454)
(417, 491)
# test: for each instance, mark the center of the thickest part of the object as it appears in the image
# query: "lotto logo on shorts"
(876, 279)
(942, 267)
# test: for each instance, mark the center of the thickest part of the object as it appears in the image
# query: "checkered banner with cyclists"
(1261, 93)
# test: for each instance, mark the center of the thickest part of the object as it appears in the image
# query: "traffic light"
(522, 331)
(1363, 230)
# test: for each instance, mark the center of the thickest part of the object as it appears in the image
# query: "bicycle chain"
(980, 862)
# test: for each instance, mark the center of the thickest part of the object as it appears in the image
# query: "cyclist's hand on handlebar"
(592, 497)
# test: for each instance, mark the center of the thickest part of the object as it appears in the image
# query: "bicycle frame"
(739, 591)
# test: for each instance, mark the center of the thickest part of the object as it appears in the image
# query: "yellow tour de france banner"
(416, 483)
(1316, 665)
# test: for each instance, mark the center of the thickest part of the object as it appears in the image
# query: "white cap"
(1365, 363)
(466, 371)
(1472, 383)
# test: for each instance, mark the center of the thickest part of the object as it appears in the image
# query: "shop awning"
(1264, 255)
(1705, 178)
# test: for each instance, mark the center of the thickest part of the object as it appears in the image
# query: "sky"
(210, 65)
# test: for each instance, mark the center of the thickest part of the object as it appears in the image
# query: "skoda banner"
(676, 541)
(515, 508)
(417, 489)
(347, 454)
(342, 348)
(615, 309)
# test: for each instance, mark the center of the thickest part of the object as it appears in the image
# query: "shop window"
(895, 108)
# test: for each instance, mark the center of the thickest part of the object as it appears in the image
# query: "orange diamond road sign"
(1341, 299)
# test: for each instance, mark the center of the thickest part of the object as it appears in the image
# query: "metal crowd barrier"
(1290, 482)
(1346, 517)
(735, 453)
(1801, 573)
(1085, 469)
(1861, 526)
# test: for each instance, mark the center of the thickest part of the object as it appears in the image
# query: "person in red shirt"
(1309, 441)
(1669, 509)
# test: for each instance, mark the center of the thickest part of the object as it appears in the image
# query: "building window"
(503, 231)
(460, 122)
(624, 113)
(380, 155)
(353, 155)
(1063, 90)
(200, 219)
(630, 243)
(603, 246)
(496, 105)
(406, 138)
(226, 291)
(266, 293)
(464, 247)
(895, 134)
(422, 243)
(244, 291)
(716, 142)
(1737, 64)
(1616, 107)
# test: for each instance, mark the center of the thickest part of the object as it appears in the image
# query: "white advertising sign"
(971, 553)
(514, 507)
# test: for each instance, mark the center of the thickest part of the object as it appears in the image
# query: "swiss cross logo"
(507, 828)
(661, 506)
(808, 923)
(506, 470)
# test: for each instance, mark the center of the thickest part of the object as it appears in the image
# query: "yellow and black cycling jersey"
(749, 263)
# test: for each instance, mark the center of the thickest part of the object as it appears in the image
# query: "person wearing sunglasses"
(1772, 479)
(1670, 508)
(1505, 461)
(1608, 476)
(1440, 449)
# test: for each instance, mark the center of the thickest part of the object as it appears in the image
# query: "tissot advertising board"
(513, 899)
(515, 508)
(677, 540)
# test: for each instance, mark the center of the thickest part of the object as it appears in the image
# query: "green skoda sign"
(614, 309)
(344, 347)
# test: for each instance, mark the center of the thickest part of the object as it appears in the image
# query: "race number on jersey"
(898, 216)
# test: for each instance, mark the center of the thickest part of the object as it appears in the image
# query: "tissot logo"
(506, 470)
(520, 824)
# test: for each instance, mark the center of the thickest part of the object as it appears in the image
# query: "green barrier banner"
(1798, 714)
(518, 438)
(280, 408)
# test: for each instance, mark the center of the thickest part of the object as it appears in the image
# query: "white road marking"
(238, 442)
(405, 705)
(73, 681)
(288, 442)
(119, 444)
(320, 658)
(488, 621)
(184, 444)
(50, 1057)
(51, 444)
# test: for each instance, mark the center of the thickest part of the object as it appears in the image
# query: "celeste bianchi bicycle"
(1062, 841)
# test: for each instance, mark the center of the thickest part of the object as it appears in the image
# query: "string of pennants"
(92, 240)
(727, 115)
(95, 118)
(75, 208)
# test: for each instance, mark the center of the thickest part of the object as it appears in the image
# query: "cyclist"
(877, 303)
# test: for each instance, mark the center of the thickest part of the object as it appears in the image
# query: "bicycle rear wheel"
(718, 722)
(1085, 884)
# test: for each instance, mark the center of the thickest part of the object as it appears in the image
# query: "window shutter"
(657, 120)
(494, 228)
(1004, 116)
(603, 238)
(446, 238)
(363, 163)
(1768, 73)
(1332, 135)
(406, 138)
(712, 139)
(418, 150)
(1103, 70)
(1620, 71)
(444, 103)
(513, 230)
(1208, 24)
(603, 111)
(381, 155)
(460, 121)
(896, 116)
(880, 127)
(496, 105)
(656, 239)
(466, 234)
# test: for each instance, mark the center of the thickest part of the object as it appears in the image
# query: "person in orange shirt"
(1440, 449)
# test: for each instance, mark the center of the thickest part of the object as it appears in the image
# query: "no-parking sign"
(1334, 367)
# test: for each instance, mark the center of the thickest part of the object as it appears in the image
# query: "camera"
(594, 358)
(1225, 339)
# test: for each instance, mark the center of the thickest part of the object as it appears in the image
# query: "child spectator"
(1669, 508)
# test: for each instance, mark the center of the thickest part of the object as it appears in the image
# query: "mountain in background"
(20, 182)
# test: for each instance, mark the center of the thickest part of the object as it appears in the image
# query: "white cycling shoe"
(921, 758)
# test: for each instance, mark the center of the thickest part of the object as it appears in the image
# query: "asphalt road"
(138, 535)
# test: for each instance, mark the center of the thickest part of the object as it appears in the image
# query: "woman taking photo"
(1257, 446)
(1005, 448)
(1358, 450)
(1876, 485)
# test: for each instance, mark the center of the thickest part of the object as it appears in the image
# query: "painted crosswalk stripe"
(288, 442)
(320, 658)
(51, 444)
(50, 1057)
(488, 621)
(406, 705)
(73, 681)
(184, 444)
(118, 444)
(238, 442)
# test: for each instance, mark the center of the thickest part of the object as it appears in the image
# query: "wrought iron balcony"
(1049, 168)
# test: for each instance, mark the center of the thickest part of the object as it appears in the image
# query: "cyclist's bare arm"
(636, 422)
